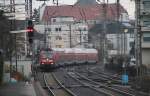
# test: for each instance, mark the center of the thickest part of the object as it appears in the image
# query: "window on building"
(58, 38)
(146, 4)
(58, 46)
(49, 37)
(54, 20)
(85, 38)
(47, 29)
(57, 29)
(131, 35)
(84, 29)
(146, 23)
(146, 37)
(131, 44)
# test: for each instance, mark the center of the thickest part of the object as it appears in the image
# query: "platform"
(17, 89)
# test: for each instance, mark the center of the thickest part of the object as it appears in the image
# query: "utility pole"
(138, 39)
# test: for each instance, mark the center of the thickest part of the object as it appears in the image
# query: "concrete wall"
(24, 67)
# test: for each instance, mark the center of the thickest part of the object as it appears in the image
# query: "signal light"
(30, 30)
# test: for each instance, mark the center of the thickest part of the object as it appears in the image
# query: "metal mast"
(12, 10)
(30, 8)
(104, 33)
(118, 26)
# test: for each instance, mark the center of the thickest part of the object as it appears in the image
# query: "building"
(79, 14)
(64, 32)
(145, 29)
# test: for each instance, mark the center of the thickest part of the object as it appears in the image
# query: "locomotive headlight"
(47, 59)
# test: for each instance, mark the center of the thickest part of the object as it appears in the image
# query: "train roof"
(76, 50)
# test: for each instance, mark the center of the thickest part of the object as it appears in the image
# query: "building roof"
(86, 12)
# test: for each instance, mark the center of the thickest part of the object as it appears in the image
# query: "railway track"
(55, 87)
(110, 82)
(115, 82)
(101, 87)
(76, 87)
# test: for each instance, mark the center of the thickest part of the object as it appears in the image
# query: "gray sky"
(127, 4)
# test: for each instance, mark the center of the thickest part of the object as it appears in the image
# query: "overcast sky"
(127, 4)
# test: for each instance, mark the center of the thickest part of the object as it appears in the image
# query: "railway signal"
(30, 31)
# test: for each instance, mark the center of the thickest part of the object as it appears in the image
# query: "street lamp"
(125, 31)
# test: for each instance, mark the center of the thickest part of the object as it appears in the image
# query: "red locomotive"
(46, 59)
(57, 57)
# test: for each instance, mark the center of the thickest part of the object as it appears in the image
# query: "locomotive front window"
(47, 54)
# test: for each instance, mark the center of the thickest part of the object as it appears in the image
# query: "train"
(59, 57)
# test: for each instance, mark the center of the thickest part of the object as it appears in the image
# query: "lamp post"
(125, 31)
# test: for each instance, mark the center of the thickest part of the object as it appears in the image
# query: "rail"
(46, 84)
(106, 87)
(62, 86)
